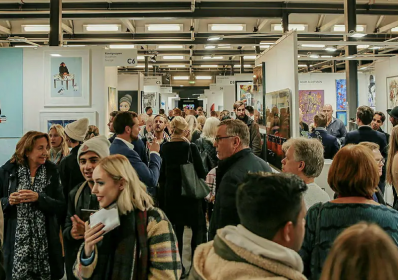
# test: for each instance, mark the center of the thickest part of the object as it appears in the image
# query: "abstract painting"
(341, 95)
(392, 92)
(311, 103)
(342, 115)
(244, 92)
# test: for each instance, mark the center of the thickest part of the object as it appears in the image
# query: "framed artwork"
(341, 95)
(67, 78)
(244, 92)
(342, 115)
(127, 100)
(372, 92)
(311, 103)
(150, 99)
(392, 92)
(112, 99)
(47, 119)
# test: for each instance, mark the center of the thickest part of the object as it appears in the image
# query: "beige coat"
(208, 265)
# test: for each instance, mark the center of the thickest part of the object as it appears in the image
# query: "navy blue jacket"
(148, 175)
(139, 147)
(367, 134)
(330, 143)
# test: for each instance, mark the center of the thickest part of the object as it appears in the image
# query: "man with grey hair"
(334, 126)
(304, 158)
(236, 160)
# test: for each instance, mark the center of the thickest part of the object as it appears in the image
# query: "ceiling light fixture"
(312, 46)
(209, 66)
(213, 57)
(224, 46)
(102, 27)
(303, 65)
(25, 46)
(215, 38)
(55, 55)
(163, 27)
(176, 57)
(297, 27)
(326, 56)
(330, 49)
(245, 66)
(341, 28)
(177, 66)
(209, 47)
(363, 46)
(121, 46)
(248, 57)
(314, 56)
(36, 28)
(181, 78)
(376, 48)
(140, 57)
(171, 47)
(203, 77)
(357, 35)
(227, 27)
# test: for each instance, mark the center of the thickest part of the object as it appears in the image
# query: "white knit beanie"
(99, 145)
(77, 130)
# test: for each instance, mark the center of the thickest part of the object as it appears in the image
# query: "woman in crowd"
(225, 115)
(192, 123)
(181, 210)
(353, 175)
(206, 142)
(363, 251)
(92, 132)
(143, 246)
(59, 146)
(31, 198)
(201, 120)
(148, 128)
(392, 163)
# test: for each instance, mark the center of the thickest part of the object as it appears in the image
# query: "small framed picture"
(342, 115)
(47, 119)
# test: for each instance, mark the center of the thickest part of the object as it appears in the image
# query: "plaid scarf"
(31, 261)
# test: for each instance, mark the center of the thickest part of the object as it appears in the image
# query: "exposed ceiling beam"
(262, 24)
(127, 23)
(5, 30)
(379, 20)
(329, 24)
(320, 22)
(8, 24)
(67, 29)
(388, 27)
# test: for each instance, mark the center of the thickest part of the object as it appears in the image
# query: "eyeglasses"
(217, 139)
(379, 161)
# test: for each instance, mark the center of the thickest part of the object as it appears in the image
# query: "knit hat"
(394, 112)
(99, 145)
(77, 130)
(126, 98)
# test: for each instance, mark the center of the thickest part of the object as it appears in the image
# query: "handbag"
(192, 185)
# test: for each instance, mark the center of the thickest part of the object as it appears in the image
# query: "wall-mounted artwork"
(342, 115)
(311, 103)
(341, 94)
(244, 92)
(67, 80)
(392, 92)
(372, 92)
(150, 99)
(47, 119)
(112, 100)
(127, 100)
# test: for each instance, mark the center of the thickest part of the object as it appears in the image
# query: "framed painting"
(67, 78)
(311, 103)
(244, 92)
(372, 92)
(392, 92)
(342, 115)
(150, 99)
(47, 119)
(112, 99)
(341, 95)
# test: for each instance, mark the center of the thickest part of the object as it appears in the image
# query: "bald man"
(334, 126)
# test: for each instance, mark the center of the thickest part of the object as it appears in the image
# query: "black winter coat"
(51, 203)
(208, 147)
(230, 174)
(71, 245)
(180, 210)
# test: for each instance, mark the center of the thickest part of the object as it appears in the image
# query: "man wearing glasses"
(236, 161)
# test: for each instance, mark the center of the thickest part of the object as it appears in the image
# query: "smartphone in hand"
(86, 213)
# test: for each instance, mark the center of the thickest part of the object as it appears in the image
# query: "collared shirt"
(320, 128)
(131, 146)
(337, 129)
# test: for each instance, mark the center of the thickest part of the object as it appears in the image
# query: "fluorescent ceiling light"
(363, 68)
(209, 66)
(246, 66)
(330, 49)
(177, 57)
(314, 56)
(266, 43)
(224, 46)
(341, 28)
(227, 27)
(121, 46)
(214, 38)
(177, 66)
(171, 47)
(395, 29)
(249, 57)
(363, 46)
(102, 27)
(36, 28)
(303, 65)
(55, 55)
(298, 27)
(349, 57)
(203, 77)
(312, 46)
(210, 47)
(326, 56)
(163, 27)
(181, 78)
(376, 48)
(212, 57)
(265, 46)
(140, 57)
(25, 46)
(357, 35)
(143, 66)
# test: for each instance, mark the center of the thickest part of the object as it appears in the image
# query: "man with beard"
(334, 126)
(126, 127)
(255, 137)
(159, 125)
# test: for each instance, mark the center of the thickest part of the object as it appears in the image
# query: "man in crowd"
(254, 129)
(158, 132)
(330, 143)
(334, 126)
(365, 133)
(393, 116)
(377, 123)
(171, 115)
(127, 128)
(304, 158)
(199, 111)
(69, 170)
(177, 112)
(236, 160)
(250, 111)
(265, 243)
(149, 111)
(112, 115)
(88, 157)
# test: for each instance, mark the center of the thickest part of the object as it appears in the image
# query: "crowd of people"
(164, 173)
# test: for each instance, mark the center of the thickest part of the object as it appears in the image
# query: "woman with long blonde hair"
(363, 251)
(144, 239)
(59, 147)
(192, 123)
(200, 122)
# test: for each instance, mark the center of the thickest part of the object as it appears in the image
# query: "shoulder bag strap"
(78, 193)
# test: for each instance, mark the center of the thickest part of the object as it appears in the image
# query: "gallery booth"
(35, 93)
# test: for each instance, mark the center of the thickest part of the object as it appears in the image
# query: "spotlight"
(153, 59)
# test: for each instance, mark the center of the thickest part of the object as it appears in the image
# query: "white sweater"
(315, 194)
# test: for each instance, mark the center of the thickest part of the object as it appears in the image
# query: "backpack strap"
(79, 192)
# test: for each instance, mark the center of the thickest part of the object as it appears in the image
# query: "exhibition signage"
(215, 87)
(152, 81)
(127, 57)
(166, 90)
(225, 80)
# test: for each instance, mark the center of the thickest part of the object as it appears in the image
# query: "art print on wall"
(342, 115)
(112, 99)
(372, 92)
(244, 92)
(311, 103)
(150, 99)
(341, 95)
(47, 119)
(67, 80)
(392, 91)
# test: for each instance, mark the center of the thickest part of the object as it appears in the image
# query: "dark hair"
(122, 120)
(365, 114)
(381, 114)
(147, 108)
(237, 104)
(73, 140)
(161, 111)
(250, 109)
(113, 114)
(267, 201)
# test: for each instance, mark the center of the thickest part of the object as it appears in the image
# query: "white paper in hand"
(108, 217)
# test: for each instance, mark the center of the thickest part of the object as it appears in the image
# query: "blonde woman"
(192, 123)
(201, 120)
(59, 147)
(144, 246)
(392, 162)
(92, 132)
(206, 142)
(181, 210)
(363, 251)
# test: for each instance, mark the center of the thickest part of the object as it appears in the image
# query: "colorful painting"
(372, 92)
(311, 103)
(244, 92)
(341, 95)
(392, 88)
(342, 115)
